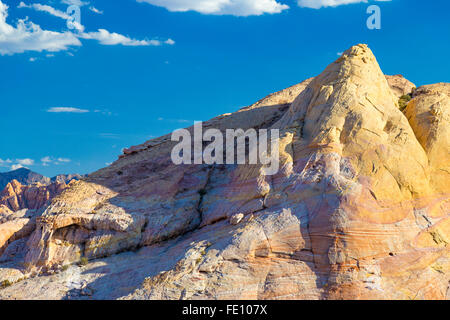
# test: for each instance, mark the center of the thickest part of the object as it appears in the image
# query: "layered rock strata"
(359, 209)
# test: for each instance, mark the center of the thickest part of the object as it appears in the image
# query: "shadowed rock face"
(19, 206)
(358, 210)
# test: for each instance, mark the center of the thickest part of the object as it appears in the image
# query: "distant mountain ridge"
(26, 177)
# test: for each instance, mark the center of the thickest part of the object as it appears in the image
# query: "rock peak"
(353, 81)
(357, 61)
(358, 210)
(359, 50)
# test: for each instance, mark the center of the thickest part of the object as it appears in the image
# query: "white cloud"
(105, 112)
(25, 162)
(27, 36)
(17, 163)
(67, 110)
(46, 161)
(75, 2)
(170, 42)
(222, 7)
(94, 9)
(5, 163)
(16, 166)
(317, 4)
(112, 38)
(45, 8)
(53, 12)
(32, 59)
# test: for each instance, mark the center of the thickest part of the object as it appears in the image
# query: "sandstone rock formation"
(400, 86)
(66, 178)
(16, 196)
(22, 175)
(26, 177)
(359, 209)
(19, 206)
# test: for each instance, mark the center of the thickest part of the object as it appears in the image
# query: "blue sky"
(71, 99)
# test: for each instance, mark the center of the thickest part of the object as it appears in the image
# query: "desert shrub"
(5, 283)
(403, 101)
(84, 261)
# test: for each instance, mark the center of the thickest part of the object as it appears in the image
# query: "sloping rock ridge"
(358, 210)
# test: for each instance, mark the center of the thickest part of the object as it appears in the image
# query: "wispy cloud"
(27, 36)
(52, 11)
(45, 8)
(105, 112)
(16, 163)
(67, 110)
(103, 36)
(22, 163)
(94, 9)
(112, 38)
(317, 4)
(25, 162)
(222, 7)
(16, 166)
(47, 161)
(5, 162)
(79, 3)
(169, 42)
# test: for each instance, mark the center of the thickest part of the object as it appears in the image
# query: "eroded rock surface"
(16, 196)
(359, 209)
(19, 207)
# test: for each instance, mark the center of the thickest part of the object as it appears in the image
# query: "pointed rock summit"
(358, 210)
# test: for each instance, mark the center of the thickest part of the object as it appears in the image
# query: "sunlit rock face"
(16, 196)
(358, 210)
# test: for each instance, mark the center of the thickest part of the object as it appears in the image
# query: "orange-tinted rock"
(16, 196)
(358, 210)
